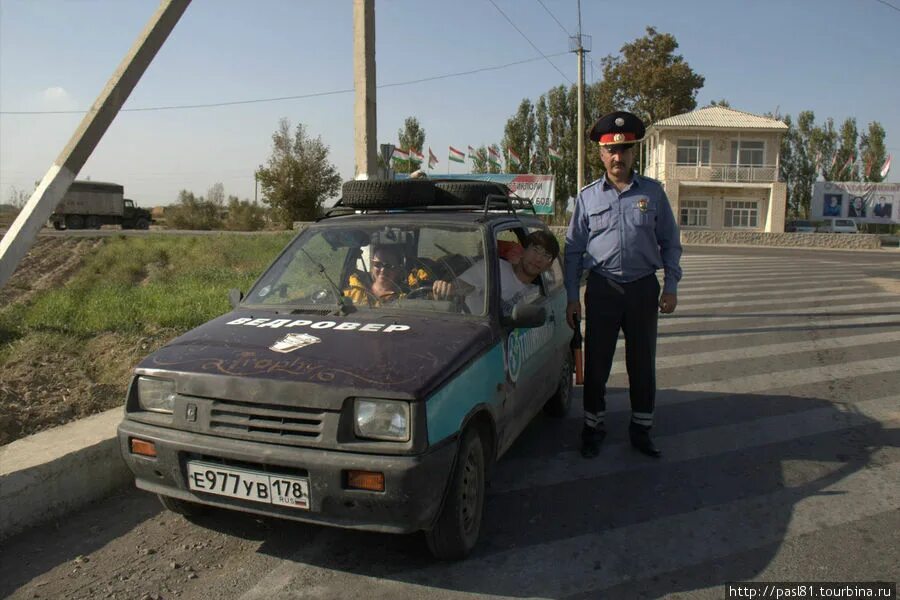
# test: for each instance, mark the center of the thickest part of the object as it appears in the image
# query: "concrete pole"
(365, 131)
(580, 170)
(22, 233)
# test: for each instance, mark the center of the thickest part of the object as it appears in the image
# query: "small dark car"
(382, 415)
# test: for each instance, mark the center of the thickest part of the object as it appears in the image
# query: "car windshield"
(384, 265)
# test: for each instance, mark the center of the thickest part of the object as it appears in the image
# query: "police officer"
(622, 231)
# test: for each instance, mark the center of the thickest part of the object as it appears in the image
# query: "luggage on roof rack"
(425, 194)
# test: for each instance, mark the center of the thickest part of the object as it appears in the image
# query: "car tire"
(74, 222)
(92, 222)
(559, 403)
(465, 193)
(57, 225)
(181, 507)
(458, 525)
(370, 194)
(142, 224)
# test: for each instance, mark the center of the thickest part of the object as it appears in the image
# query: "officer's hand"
(442, 289)
(667, 303)
(573, 313)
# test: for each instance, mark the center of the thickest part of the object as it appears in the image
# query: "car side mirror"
(235, 296)
(526, 315)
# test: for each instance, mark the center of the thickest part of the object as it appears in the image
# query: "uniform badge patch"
(620, 121)
(642, 205)
(619, 137)
(294, 341)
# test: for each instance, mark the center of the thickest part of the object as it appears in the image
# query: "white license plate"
(248, 485)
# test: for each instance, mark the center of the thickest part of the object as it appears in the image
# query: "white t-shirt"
(512, 289)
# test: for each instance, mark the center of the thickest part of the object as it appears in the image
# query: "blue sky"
(838, 58)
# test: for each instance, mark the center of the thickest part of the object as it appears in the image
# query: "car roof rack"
(510, 204)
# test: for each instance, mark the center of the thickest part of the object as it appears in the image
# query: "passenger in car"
(385, 280)
(516, 280)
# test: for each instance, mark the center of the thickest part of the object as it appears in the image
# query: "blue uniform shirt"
(622, 235)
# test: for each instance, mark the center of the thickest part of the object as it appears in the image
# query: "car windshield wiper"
(344, 305)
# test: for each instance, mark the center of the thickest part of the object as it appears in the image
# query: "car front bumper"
(413, 491)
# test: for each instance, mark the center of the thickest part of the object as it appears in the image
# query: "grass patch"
(139, 285)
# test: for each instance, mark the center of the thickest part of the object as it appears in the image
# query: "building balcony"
(716, 172)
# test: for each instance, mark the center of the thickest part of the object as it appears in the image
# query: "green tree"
(194, 213)
(650, 80)
(723, 103)
(298, 176)
(412, 136)
(872, 152)
(244, 215)
(479, 160)
(540, 159)
(847, 153)
(520, 135)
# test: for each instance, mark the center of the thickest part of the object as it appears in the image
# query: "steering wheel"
(420, 291)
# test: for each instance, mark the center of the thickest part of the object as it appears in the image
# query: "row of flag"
(885, 168)
(492, 156)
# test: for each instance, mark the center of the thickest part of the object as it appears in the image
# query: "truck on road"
(92, 204)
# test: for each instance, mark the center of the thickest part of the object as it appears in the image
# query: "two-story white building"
(720, 168)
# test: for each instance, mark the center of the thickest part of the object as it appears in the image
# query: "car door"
(530, 375)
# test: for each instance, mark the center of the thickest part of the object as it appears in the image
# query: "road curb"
(54, 472)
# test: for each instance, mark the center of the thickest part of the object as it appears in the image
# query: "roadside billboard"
(863, 201)
(537, 188)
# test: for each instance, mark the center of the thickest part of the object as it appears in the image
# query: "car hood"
(394, 355)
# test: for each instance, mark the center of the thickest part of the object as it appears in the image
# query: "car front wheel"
(457, 527)
(559, 403)
(182, 507)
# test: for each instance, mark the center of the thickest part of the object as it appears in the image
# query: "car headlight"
(156, 395)
(381, 419)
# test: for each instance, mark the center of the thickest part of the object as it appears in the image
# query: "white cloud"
(56, 98)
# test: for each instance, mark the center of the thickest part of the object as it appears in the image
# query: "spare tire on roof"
(467, 192)
(406, 193)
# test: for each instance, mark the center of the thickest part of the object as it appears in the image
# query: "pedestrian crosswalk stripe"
(779, 349)
(691, 445)
(739, 300)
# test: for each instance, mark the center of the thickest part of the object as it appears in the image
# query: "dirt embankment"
(50, 378)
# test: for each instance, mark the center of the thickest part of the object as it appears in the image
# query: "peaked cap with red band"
(617, 128)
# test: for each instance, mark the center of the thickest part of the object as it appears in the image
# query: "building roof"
(720, 117)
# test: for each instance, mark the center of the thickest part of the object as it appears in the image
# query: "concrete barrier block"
(48, 474)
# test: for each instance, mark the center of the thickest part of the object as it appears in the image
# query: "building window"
(692, 152)
(694, 213)
(741, 213)
(747, 153)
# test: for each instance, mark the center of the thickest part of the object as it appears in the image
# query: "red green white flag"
(494, 156)
(457, 156)
(432, 159)
(555, 154)
(415, 155)
(886, 167)
(513, 157)
(400, 154)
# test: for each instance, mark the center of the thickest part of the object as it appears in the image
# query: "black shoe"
(643, 444)
(591, 438)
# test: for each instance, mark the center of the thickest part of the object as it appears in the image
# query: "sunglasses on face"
(377, 264)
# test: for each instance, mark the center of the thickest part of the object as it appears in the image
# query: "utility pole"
(365, 140)
(22, 233)
(576, 44)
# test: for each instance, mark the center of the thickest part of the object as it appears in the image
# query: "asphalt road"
(778, 412)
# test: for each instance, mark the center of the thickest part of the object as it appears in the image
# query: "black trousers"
(633, 308)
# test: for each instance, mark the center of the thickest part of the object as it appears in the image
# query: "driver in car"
(385, 280)
(516, 280)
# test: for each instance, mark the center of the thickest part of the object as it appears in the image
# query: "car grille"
(266, 422)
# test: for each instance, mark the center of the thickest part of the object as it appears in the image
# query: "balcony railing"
(720, 172)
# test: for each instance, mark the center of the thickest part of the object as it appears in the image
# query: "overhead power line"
(297, 97)
(529, 41)
(888, 4)
(552, 16)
